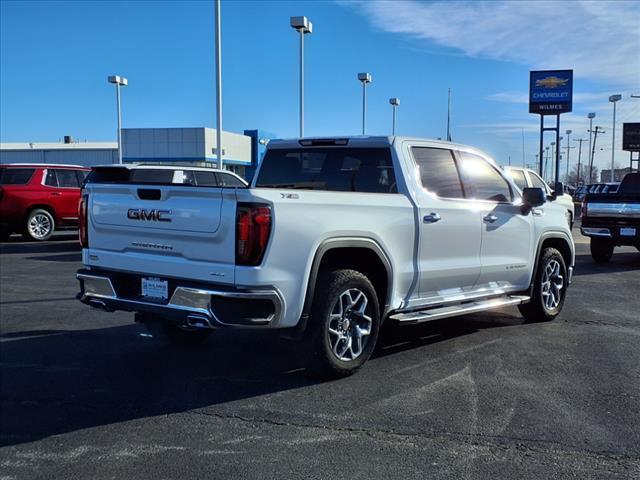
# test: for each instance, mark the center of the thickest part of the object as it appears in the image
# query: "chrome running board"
(437, 313)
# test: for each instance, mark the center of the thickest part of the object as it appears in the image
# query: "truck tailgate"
(178, 231)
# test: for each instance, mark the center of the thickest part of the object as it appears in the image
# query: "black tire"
(541, 308)
(601, 249)
(335, 290)
(4, 235)
(173, 333)
(39, 225)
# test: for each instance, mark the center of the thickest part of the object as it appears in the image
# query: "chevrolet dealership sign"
(551, 92)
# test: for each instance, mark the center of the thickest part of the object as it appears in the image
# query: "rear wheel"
(344, 324)
(549, 288)
(4, 235)
(40, 225)
(601, 249)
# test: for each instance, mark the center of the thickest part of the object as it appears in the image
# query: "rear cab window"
(16, 176)
(337, 169)
(438, 171)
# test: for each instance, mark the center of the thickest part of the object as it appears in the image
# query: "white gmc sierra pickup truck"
(332, 237)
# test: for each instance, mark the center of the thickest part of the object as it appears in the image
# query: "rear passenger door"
(449, 229)
(506, 233)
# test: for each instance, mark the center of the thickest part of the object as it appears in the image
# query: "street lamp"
(118, 81)
(303, 26)
(395, 102)
(568, 132)
(613, 99)
(364, 78)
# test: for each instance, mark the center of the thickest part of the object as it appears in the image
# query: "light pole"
(613, 99)
(395, 102)
(568, 132)
(118, 81)
(218, 85)
(303, 26)
(365, 78)
(546, 162)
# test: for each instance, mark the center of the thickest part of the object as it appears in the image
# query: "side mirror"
(532, 197)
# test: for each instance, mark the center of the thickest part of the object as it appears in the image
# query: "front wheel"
(549, 288)
(344, 324)
(40, 225)
(601, 249)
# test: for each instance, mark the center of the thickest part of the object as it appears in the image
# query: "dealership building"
(194, 146)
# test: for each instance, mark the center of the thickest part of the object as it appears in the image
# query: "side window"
(518, 178)
(205, 179)
(229, 181)
(482, 180)
(82, 175)
(51, 179)
(15, 176)
(537, 182)
(67, 178)
(438, 171)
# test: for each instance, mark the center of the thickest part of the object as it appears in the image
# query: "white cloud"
(599, 40)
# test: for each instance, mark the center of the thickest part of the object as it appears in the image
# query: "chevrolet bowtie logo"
(551, 82)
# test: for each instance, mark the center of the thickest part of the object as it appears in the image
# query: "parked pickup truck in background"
(332, 238)
(612, 219)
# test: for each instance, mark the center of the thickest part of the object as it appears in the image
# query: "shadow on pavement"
(66, 257)
(620, 262)
(61, 381)
(50, 246)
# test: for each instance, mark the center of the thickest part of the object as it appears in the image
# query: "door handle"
(431, 218)
(55, 194)
(489, 218)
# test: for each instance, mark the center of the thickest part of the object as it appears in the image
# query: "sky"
(55, 58)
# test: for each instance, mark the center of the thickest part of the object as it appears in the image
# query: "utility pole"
(523, 148)
(568, 132)
(590, 116)
(593, 151)
(579, 155)
(449, 117)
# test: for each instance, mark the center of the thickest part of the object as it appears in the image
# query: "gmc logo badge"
(149, 215)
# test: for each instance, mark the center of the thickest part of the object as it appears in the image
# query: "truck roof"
(47, 165)
(359, 141)
(162, 166)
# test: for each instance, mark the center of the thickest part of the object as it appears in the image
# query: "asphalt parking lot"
(84, 395)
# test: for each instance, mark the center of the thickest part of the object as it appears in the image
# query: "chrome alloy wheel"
(552, 285)
(349, 326)
(39, 226)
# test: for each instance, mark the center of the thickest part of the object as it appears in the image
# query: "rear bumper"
(203, 306)
(618, 234)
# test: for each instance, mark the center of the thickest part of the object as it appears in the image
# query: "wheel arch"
(362, 254)
(557, 240)
(41, 206)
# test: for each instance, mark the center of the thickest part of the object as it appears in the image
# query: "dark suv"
(37, 199)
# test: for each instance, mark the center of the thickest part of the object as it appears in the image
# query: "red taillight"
(253, 227)
(83, 236)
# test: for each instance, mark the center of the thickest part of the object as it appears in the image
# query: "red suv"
(36, 199)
